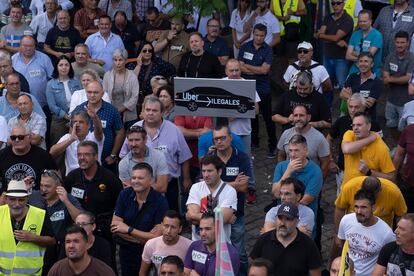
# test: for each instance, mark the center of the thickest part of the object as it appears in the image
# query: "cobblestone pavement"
(264, 169)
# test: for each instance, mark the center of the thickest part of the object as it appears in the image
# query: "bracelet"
(130, 229)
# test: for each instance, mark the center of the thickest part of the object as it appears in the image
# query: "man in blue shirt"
(137, 217)
(111, 123)
(255, 59)
(214, 44)
(236, 173)
(103, 43)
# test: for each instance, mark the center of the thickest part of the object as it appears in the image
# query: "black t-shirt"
(129, 36)
(346, 24)
(370, 88)
(300, 256)
(342, 125)
(63, 41)
(204, 66)
(315, 102)
(17, 167)
(98, 195)
(391, 256)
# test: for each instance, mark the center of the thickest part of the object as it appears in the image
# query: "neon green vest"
(23, 258)
(293, 5)
(350, 9)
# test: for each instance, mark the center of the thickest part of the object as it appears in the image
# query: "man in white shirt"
(79, 132)
(210, 193)
(366, 234)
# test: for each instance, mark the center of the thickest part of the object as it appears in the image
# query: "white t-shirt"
(242, 126)
(71, 154)
(155, 250)
(272, 24)
(237, 23)
(319, 75)
(365, 243)
(227, 199)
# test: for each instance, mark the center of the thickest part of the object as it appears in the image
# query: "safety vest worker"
(17, 256)
(297, 8)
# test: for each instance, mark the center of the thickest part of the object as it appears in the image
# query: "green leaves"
(207, 7)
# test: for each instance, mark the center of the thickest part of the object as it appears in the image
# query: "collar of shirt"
(150, 197)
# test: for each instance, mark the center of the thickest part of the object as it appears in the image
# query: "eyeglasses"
(336, 3)
(83, 224)
(53, 174)
(15, 137)
(136, 129)
(302, 51)
(220, 138)
(147, 50)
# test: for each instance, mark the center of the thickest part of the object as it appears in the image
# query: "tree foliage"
(207, 7)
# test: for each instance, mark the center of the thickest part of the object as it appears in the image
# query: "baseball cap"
(17, 189)
(305, 45)
(288, 210)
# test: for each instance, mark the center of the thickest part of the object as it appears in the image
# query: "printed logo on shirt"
(366, 44)
(162, 148)
(178, 48)
(198, 257)
(407, 18)
(393, 67)
(365, 93)
(35, 73)
(78, 193)
(18, 172)
(56, 216)
(248, 56)
(231, 171)
(157, 259)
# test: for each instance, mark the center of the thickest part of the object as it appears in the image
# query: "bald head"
(233, 70)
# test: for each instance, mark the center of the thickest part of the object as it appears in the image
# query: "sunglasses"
(300, 51)
(147, 50)
(336, 3)
(53, 174)
(15, 137)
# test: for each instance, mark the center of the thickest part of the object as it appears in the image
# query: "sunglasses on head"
(53, 174)
(15, 137)
(147, 50)
(303, 51)
(336, 3)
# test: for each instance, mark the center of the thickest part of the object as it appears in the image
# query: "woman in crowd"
(240, 16)
(148, 66)
(166, 95)
(156, 83)
(59, 92)
(79, 96)
(123, 87)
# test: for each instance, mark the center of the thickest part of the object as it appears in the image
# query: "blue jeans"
(337, 69)
(238, 231)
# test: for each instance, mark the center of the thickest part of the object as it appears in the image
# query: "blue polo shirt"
(203, 262)
(310, 175)
(256, 57)
(218, 47)
(111, 122)
(238, 162)
(127, 208)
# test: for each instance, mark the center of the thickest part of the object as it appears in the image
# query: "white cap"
(305, 45)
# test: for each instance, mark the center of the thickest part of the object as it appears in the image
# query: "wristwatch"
(130, 229)
(113, 156)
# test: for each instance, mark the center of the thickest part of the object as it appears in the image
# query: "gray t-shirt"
(317, 144)
(306, 216)
(13, 35)
(78, 70)
(152, 156)
(398, 67)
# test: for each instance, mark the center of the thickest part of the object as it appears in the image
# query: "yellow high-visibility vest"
(350, 9)
(289, 4)
(23, 258)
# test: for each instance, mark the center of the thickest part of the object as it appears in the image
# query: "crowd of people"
(101, 176)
